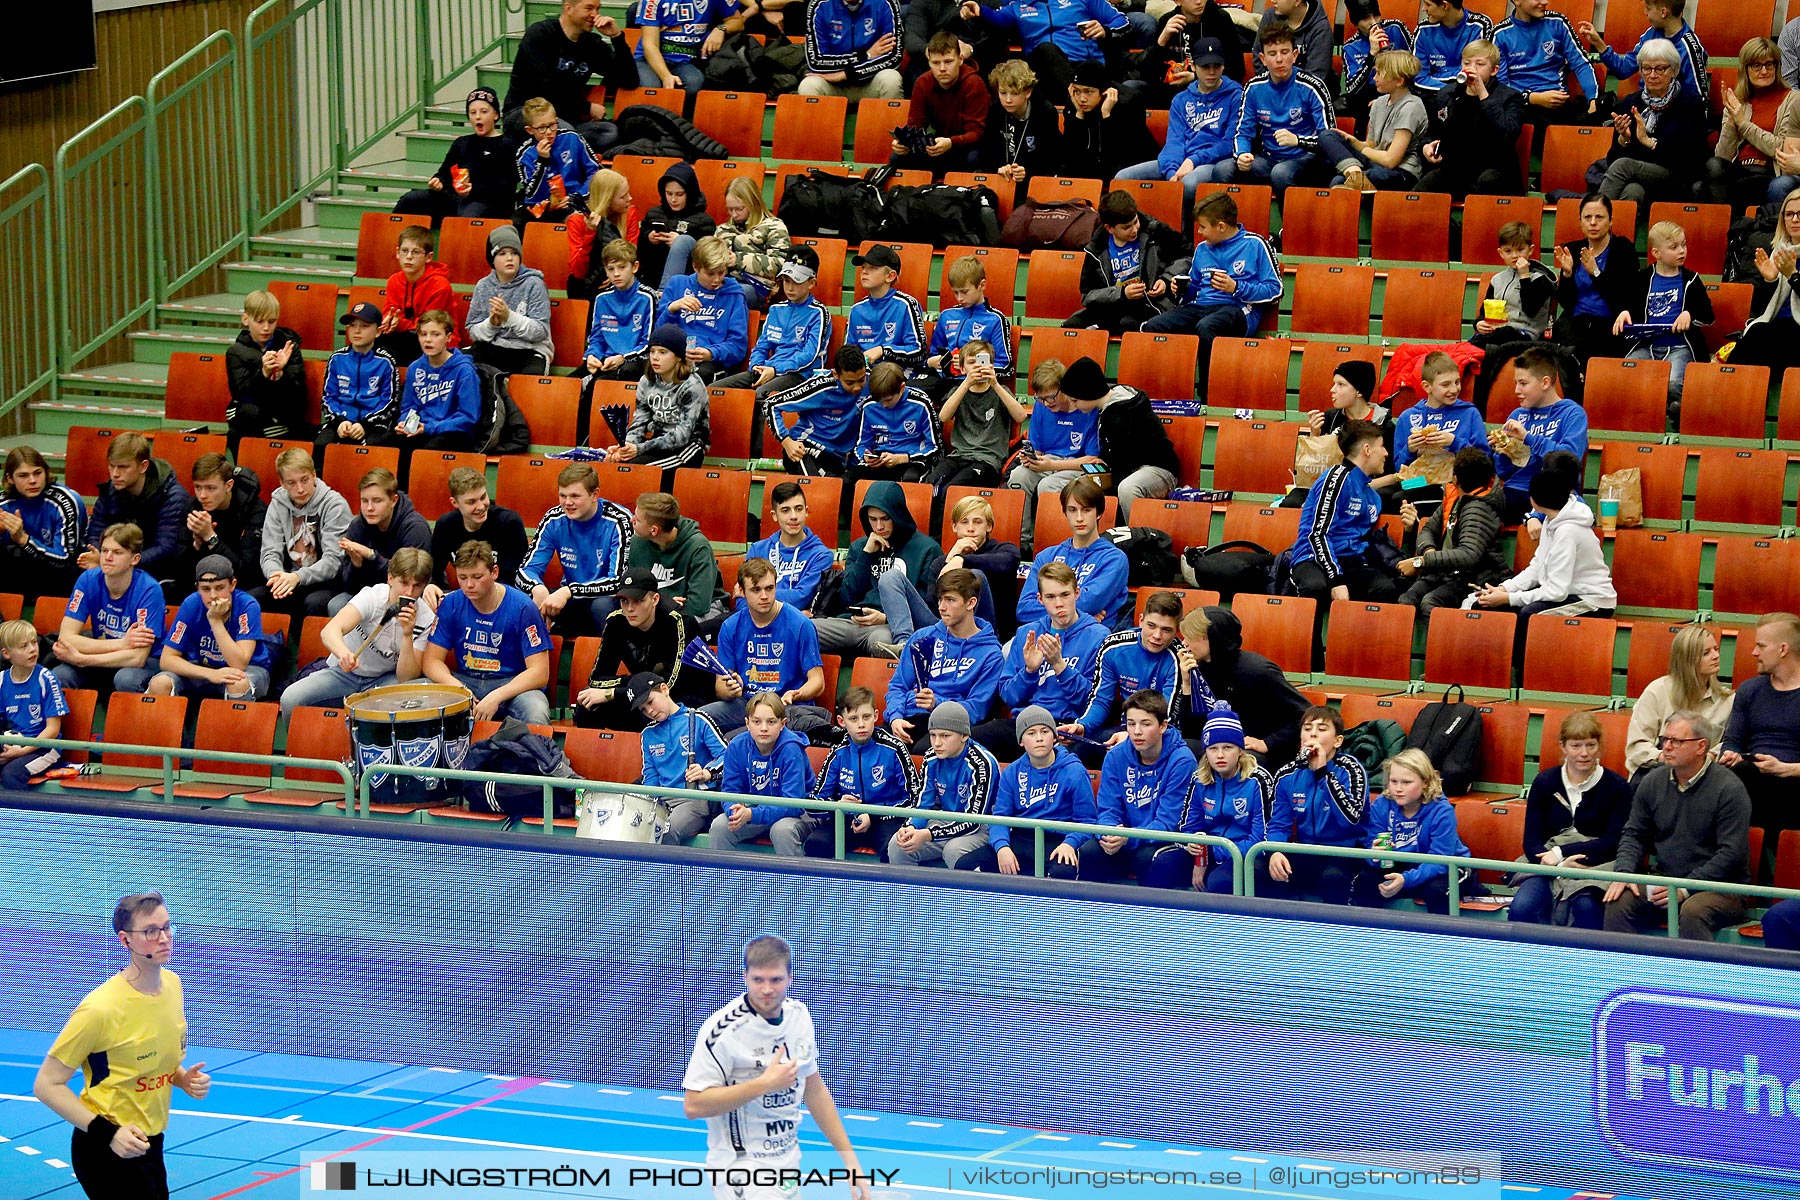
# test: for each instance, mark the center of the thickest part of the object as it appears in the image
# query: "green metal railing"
(168, 755)
(105, 205)
(28, 301)
(1454, 865)
(198, 163)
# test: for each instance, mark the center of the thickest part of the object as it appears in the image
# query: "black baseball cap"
(639, 687)
(880, 256)
(638, 582)
(1209, 52)
(361, 312)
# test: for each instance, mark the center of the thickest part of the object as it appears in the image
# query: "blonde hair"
(973, 506)
(1015, 75)
(1482, 48)
(1692, 689)
(711, 254)
(294, 459)
(605, 186)
(1396, 64)
(1194, 624)
(1664, 233)
(750, 193)
(967, 271)
(1246, 767)
(536, 107)
(261, 306)
(1047, 374)
(1415, 761)
(17, 634)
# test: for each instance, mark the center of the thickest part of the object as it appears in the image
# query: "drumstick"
(393, 610)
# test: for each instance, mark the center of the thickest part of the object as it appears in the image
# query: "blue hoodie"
(623, 318)
(1431, 830)
(959, 325)
(1439, 49)
(361, 386)
(1121, 667)
(570, 157)
(1061, 791)
(1329, 807)
(1057, 22)
(592, 552)
(1235, 809)
(1248, 259)
(723, 323)
(828, 414)
(838, 37)
(909, 426)
(1687, 44)
(1101, 570)
(1463, 418)
(772, 658)
(1065, 694)
(878, 771)
(964, 784)
(1201, 125)
(966, 670)
(447, 398)
(683, 737)
(56, 523)
(1340, 513)
(895, 323)
(794, 337)
(1535, 55)
(1136, 795)
(1359, 64)
(1269, 106)
(797, 571)
(1559, 426)
(784, 771)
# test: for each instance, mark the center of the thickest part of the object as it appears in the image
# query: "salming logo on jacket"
(1123, 667)
(1300, 104)
(964, 784)
(592, 552)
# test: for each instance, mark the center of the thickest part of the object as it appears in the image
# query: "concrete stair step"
(427, 147)
(249, 276)
(156, 345)
(221, 309)
(346, 212)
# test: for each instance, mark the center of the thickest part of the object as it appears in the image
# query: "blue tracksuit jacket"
(1340, 512)
(1458, 415)
(1061, 791)
(1431, 830)
(361, 386)
(622, 321)
(682, 737)
(1329, 807)
(827, 413)
(895, 322)
(964, 784)
(909, 427)
(570, 157)
(966, 670)
(838, 37)
(1235, 809)
(784, 771)
(878, 771)
(1101, 570)
(592, 552)
(1687, 44)
(1121, 667)
(1359, 64)
(1439, 49)
(1559, 426)
(447, 398)
(1136, 795)
(1535, 55)
(797, 571)
(1300, 104)
(793, 338)
(1249, 260)
(723, 323)
(1072, 434)
(1066, 693)
(56, 523)
(1202, 125)
(957, 326)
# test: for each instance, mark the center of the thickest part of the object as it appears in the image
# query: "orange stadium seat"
(623, 483)
(1739, 487)
(1648, 656)
(1370, 641)
(259, 455)
(1423, 304)
(182, 450)
(1053, 279)
(569, 331)
(1188, 436)
(1504, 728)
(642, 172)
(1333, 298)
(314, 733)
(1185, 521)
(1411, 227)
(1255, 457)
(732, 421)
(1054, 189)
(1627, 395)
(198, 391)
(1568, 151)
(1274, 529)
(312, 640)
(547, 249)
(345, 464)
(428, 480)
(605, 754)
(915, 267)
(1731, 312)
(1787, 424)
(734, 118)
(1249, 373)
(1320, 222)
(1002, 266)
(528, 484)
(1492, 829)
(1569, 654)
(1005, 191)
(1162, 364)
(462, 246)
(1662, 468)
(549, 403)
(1366, 706)
(581, 667)
(832, 252)
(1707, 226)
(718, 499)
(672, 99)
(1280, 628)
(310, 310)
(1254, 201)
(237, 726)
(1731, 25)
(47, 614)
(1656, 569)
(84, 464)
(1482, 217)
(377, 238)
(1163, 199)
(12, 606)
(716, 174)
(810, 127)
(876, 120)
(1473, 647)
(1755, 576)
(136, 719)
(1064, 345)
(1724, 401)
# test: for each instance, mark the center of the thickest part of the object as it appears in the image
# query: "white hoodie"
(1569, 564)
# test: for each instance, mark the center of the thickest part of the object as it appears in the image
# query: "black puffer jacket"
(648, 130)
(1252, 686)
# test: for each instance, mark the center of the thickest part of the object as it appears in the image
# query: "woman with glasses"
(1772, 336)
(1758, 114)
(1692, 684)
(1574, 814)
(1659, 134)
(126, 1038)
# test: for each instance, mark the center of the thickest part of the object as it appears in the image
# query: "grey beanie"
(950, 715)
(1035, 714)
(504, 237)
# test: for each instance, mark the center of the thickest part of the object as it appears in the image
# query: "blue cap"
(1223, 728)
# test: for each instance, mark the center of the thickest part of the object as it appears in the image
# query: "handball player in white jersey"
(754, 1064)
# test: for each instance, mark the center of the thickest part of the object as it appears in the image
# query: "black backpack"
(1450, 735)
(502, 428)
(1745, 237)
(1151, 553)
(1231, 567)
(943, 214)
(820, 204)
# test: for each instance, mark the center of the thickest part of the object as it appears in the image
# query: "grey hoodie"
(305, 540)
(528, 326)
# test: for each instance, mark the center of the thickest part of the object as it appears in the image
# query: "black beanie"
(1359, 375)
(1085, 380)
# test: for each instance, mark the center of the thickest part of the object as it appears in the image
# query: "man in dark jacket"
(1221, 673)
(1459, 543)
(1103, 132)
(144, 492)
(227, 519)
(1124, 277)
(1022, 131)
(1469, 147)
(1136, 447)
(556, 59)
(642, 634)
(1169, 63)
(386, 521)
(890, 580)
(266, 375)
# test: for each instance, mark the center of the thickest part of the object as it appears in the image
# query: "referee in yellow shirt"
(126, 1038)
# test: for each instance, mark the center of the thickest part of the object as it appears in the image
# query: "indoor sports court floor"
(269, 1114)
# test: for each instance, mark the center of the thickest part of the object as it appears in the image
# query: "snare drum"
(417, 725)
(621, 817)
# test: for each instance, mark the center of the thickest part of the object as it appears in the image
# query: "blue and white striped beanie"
(1223, 728)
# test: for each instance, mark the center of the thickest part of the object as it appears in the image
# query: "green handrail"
(27, 328)
(200, 192)
(303, 48)
(1675, 886)
(169, 754)
(119, 281)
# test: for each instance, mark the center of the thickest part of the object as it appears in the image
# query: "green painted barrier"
(169, 754)
(28, 305)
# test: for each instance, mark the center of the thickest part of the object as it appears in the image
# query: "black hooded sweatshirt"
(239, 528)
(1252, 686)
(691, 219)
(407, 527)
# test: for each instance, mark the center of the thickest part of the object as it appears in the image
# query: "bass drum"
(416, 725)
(621, 817)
